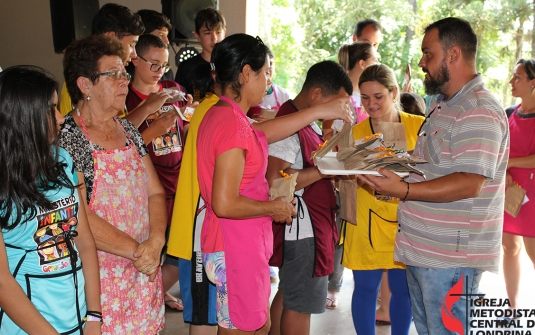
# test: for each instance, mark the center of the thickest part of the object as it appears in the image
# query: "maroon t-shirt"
(165, 151)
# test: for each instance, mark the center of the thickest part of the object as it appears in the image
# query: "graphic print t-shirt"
(46, 231)
(46, 274)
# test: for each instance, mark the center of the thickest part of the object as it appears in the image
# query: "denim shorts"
(429, 288)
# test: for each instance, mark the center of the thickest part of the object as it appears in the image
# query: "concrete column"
(241, 16)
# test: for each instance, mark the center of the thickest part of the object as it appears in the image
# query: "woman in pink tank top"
(236, 238)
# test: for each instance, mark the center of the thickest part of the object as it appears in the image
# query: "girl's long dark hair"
(28, 144)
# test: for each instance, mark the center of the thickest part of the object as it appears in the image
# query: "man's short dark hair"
(359, 27)
(209, 18)
(454, 31)
(153, 20)
(147, 41)
(119, 19)
(330, 77)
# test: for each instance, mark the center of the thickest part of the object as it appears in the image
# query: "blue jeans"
(428, 289)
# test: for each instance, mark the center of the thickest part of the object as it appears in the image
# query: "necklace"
(107, 133)
(371, 123)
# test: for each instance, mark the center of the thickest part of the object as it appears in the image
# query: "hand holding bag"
(514, 198)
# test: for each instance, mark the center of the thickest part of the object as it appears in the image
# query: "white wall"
(26, 36)
(26, 29)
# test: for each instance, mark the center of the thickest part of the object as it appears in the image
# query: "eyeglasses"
(115, 74)
(156, 67)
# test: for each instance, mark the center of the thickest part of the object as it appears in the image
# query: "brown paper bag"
(348, 200)
(330, 144)
(393, 134)
(514, 197)
(367, 143)
(268, 113)
(283, 187)
(346, 137)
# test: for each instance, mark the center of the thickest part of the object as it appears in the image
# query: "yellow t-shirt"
(180, 243)
(65, 103)
(369, 245)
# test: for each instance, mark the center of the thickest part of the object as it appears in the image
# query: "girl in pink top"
(236, 238)
(520, 169)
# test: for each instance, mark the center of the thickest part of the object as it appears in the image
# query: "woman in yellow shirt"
(369, 245)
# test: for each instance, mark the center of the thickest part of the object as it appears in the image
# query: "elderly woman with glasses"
(236, 237)
(124, 198)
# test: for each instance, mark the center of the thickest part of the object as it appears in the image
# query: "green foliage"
(318, 28)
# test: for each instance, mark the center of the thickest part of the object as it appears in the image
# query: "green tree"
(320, 27)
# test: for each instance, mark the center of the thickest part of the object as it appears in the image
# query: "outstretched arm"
(282, 127)
(452, 187)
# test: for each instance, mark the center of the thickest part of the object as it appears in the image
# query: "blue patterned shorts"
(216, 271)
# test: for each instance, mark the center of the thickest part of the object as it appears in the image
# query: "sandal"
(174, 303)
(506, 321)
(379, 322)
(331, 303)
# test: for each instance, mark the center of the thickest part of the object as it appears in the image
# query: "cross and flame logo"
(450, 321)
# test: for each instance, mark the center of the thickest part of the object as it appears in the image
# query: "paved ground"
(339, 322)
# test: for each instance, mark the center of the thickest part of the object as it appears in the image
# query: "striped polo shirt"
(467, 133)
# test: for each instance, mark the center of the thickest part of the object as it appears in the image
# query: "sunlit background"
(303, 32)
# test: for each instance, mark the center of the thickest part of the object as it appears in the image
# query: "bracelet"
(93, 316)
(94, 313)
(90, 318)
(408, 188)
